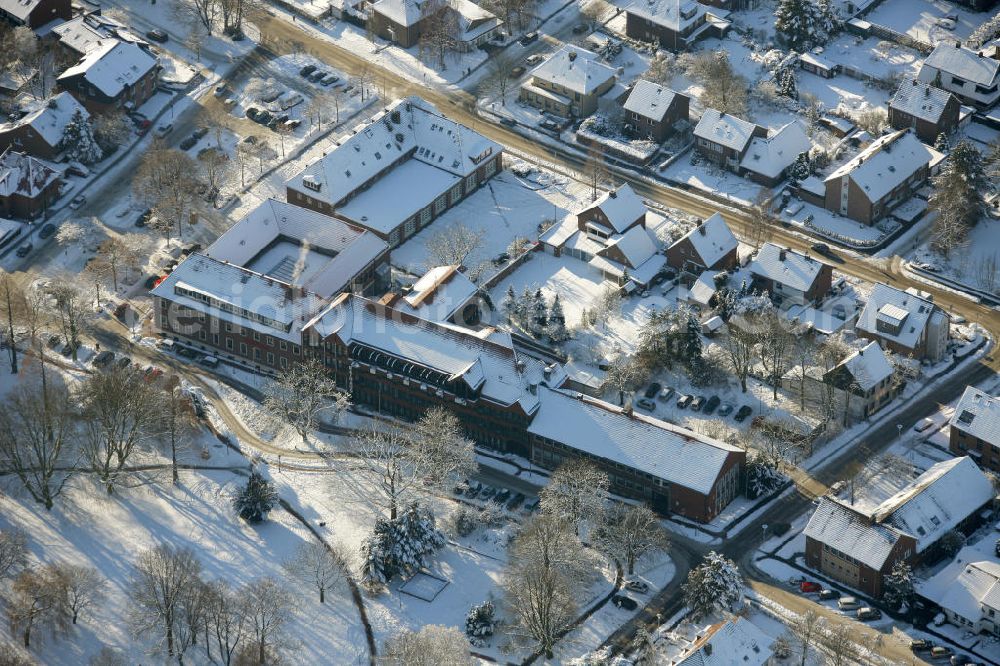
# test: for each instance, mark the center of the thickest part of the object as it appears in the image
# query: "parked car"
(637, 586)
(623, 602)
(697, 403)
(199, 133)
(24, 250)
(820, 248)
(959, 660)
(157, 36)
(529, 38)
(515, 72)
(143, 218)
(123, 362)
(292, 123)
(549, 125)
(164, 130)
(809, 587)
(941, 651)
(502, 496)
(53, 341)
(103, 358)
(329, 79)
(726, 409)
(473, 490)
(252, 112)
(307, 70)
(534, 59)
(646, 404)
(317, 75)
(460, 488)
(684, 401)
(580, 28)
(509, 122)
(188, 143)
(77, 202)
(47, 231)
(209, 361)
(515, 501)
(712, 403)
(666, 393)
(826, 594)
(868, 613)
(487, 493)
(742, 413)
(848, 603)
(652, 390)
(921, 645)
(996, 548)
(923, 424)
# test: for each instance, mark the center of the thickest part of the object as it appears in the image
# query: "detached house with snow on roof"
(35, 13)
(672, 24)
(709, 246)
(27, 186)
(904, 322)
(402, 21)
(973, 76)
(653, 111)
(884, 175)
(968, 593)
(790, 277)
(975, 429)
(568, 83)
(858, 543)
(929, 111)
(397, 172)
(40, 132)
(114, 75)
(750, 150)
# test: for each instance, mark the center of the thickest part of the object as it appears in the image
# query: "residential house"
(614, 212)
(724, 139)
(398, 171)
(905, 322)
(857, 543)
(929, 111)
(85, 32)
(858, 386)
(975, 428)
(403, 21)
(568, 83)
(113, 75)
(652, 111)
(672, 24)
(973, 76)
(882, 176)
(968, 593)
(710, 245)
(39, 133)
(27, 185)
(672, 469)
(735, 640)
(789, 277)
(444, 294)
(768, 158)
(35, 13)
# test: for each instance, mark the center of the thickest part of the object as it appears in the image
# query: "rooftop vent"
(782, 255)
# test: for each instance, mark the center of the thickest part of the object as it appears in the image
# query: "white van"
(848, 603)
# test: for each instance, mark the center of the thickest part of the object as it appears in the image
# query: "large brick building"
(975, 428)
(113, 75)
(396, 173)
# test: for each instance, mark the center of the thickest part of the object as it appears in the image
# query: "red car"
(808, 586)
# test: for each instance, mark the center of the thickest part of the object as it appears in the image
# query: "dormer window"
(310, 182)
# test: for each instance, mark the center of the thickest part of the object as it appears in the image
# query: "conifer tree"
(557, 322)
(256, 499)
(78, 140)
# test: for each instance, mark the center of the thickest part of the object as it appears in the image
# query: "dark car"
(264, 117)
(123, 362)
(820, 248)
(188, 143)
(103, 358)
(307, 70)
(502, 496)
(712, 403)
(185, 352)
(516, 71)
(515, 501)
(580, 28)
(959, 660)
(549, 125)
(996, 548)
(646, 403)
(529, 38)
(252, 112)
(742, 413)
(157, 36)
(652, 390)
(200, 132)
(24, 250)
(623, 602)
(698, 403)
(144, 217)
(869, 613)
(47, 230)
(827, 594)
(921, 645)
(509, 122)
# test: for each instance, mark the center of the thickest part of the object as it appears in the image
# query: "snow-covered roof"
(937, 500)
(485, 360)
(737, 641)
(712, 239)
(637, 245)
(770, 156)
(575, 69)
(240, 296)
(724, 129)
(297, 245)
(84, 32)
(676, 15)
(920, 100)
(837, 525)
(560, 232)
(654, 447)
(24, 175)
(438, 294)
(621, 206)
(50, 120)
(868, 366)
(472, 19)
(403, 12)
(111, 65)
(19, 9)
(703, 289)
(398, 195)
(886, 163)
(961, 62)
(650, 100)
(963, 588)
(784, 265)
(896, 309)
(978, 414)
(408, 128)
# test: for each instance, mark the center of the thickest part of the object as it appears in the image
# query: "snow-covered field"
(977, 263)
(919, 19)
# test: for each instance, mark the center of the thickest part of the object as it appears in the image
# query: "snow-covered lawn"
(919, 19)
(836, 226)
(708, 177)
(977, 263)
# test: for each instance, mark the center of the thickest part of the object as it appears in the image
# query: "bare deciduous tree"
(301, 394)
(451, 245)
(37, 600)
(267, 608)
(162, 578)
(623, 375)
(225, 621)
(13, 551)
(70, 308)
(433, 645)
(167, 180)
(806, 628)
(741, 343)
(776, 343)
(576, 494)
(441, 449)
(760, 219)
(176, 421)
(384, 459)
(724, 89)
(83, 586)
(630, 531)
(318, 565)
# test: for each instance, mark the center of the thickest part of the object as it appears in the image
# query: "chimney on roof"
(613, 194)
(861, 352)
(708, 649)
(915, 83)
(519, 365)
(572, 56)
(979, 53)
(927, 91)
(547, 372)
(533, 388)
(782, 254)
(701, 229)
(957, 45)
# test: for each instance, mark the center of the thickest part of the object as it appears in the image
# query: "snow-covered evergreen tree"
(510, 305)
(691, 348)
(941, 143)
(256, 499)
(800, 167)
(786, 83)
(715, 584)
(557, 322)
(762, 476)
(399, 547)
(539, 314)
(480, 622)
(78, 140)
(802, 24)
(898, 586)
(524, 308)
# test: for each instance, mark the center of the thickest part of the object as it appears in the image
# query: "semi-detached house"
(672, 24)
(750, 150)
(973, 76)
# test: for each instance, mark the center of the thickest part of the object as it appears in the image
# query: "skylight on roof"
(966, 417)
